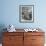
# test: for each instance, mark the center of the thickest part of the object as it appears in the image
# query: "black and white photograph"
(26, 13)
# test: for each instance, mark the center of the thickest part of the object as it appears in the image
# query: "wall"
(10, 13)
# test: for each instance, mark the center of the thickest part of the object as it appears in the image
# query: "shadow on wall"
(2, 26)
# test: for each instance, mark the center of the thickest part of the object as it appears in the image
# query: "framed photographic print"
(26, 13)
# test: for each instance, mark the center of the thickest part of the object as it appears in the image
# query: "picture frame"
(26, 13)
